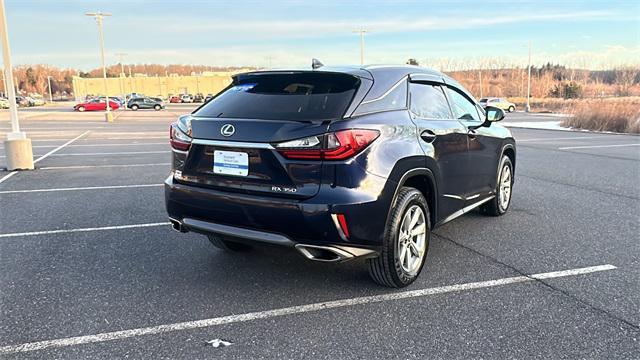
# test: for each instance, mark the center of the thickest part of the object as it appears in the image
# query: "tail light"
(337, 145)
(180, 134)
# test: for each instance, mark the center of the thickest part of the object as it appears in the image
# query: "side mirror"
(494, 113)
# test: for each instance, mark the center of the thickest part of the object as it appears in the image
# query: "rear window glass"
(290, 96)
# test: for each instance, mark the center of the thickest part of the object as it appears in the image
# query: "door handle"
(428, 136)
(472, 134)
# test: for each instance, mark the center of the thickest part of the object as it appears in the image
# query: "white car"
(4, 103)
(186, 98)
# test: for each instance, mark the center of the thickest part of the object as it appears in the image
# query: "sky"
(280, 34)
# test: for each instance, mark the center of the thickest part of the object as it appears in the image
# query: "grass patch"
(603, 115)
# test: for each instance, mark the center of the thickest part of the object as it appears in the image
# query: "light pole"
(99, 17)
(50, 93)
(122, 77)
(528, 107)
(19, 153)
(361, 32)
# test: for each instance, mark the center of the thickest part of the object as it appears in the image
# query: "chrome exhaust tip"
(177, 226)
(333, 253)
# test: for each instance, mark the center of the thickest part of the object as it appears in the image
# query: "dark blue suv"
(339, 163)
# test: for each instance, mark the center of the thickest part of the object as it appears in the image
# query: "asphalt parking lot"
(89, 267)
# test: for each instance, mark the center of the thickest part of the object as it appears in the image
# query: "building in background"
(164, 86)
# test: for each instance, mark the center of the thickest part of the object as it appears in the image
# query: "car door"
(94, 105)
(442, 138)
(483, 146)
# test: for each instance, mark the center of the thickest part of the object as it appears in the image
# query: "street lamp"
(99, 17)
(19, 153)
(361, 32)
(50, 93)
(122, 77)
(528, 107)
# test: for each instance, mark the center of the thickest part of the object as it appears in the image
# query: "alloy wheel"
(505, 187)
(412, 240)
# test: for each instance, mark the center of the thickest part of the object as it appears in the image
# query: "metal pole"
(8, 68)
(480, 76)
(361, 32)
(18, 150)
(122, 77)
(50, 93)
(99, 17)
(528, 107)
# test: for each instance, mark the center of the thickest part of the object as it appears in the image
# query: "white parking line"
(64, 231)
(80, 188)
(47, 154)
(231, 319)
(114, 153)
(558, 139)
(99, 166)
(597, 146)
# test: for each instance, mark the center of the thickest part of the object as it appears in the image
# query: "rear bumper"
(273, 220)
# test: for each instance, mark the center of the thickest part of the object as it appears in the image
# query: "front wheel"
(81, 108)
(157, 107)
(500, 203)
(134, 107)
(405, 243)
(512, 109)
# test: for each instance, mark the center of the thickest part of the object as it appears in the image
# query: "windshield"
(304, 96)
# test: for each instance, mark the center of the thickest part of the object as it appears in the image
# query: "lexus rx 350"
(339, 163)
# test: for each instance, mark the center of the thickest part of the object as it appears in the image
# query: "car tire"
(81, 108)
(134, 107)
(157, 107)
(511, 109)
(231, 246)
(504, 190)
(389, 269)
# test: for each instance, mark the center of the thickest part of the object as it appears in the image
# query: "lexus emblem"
(227, 130)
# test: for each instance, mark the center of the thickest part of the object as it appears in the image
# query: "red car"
(175, 99)
(95, 105)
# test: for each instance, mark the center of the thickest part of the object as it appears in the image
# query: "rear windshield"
(284, 96)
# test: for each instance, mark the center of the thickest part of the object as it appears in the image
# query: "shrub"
(603, 115)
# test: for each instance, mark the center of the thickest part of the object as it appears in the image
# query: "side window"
(394, 99)
(463, 108)
(428, 101)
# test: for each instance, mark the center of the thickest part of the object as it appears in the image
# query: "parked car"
(186, 98)
(133, 95)
(339, 163)
(23, 101)
(117, 99)
(4, 103)
(96, 105)
(209, 97)
(175, 99)
(145, 103)
(198, 98)
(37, 100)
(501, 103)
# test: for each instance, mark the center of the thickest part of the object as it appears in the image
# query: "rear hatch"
(235, 134)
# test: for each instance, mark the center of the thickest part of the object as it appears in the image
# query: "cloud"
(306, 28)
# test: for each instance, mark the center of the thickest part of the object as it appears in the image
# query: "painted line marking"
(64, 231)
(61, 146)
(99, 145)
(4, 178)
(99, 166)
(80, 188)
(114, 153)
(231, 319)
(558, 139)
(108, 153)
(597, 146)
